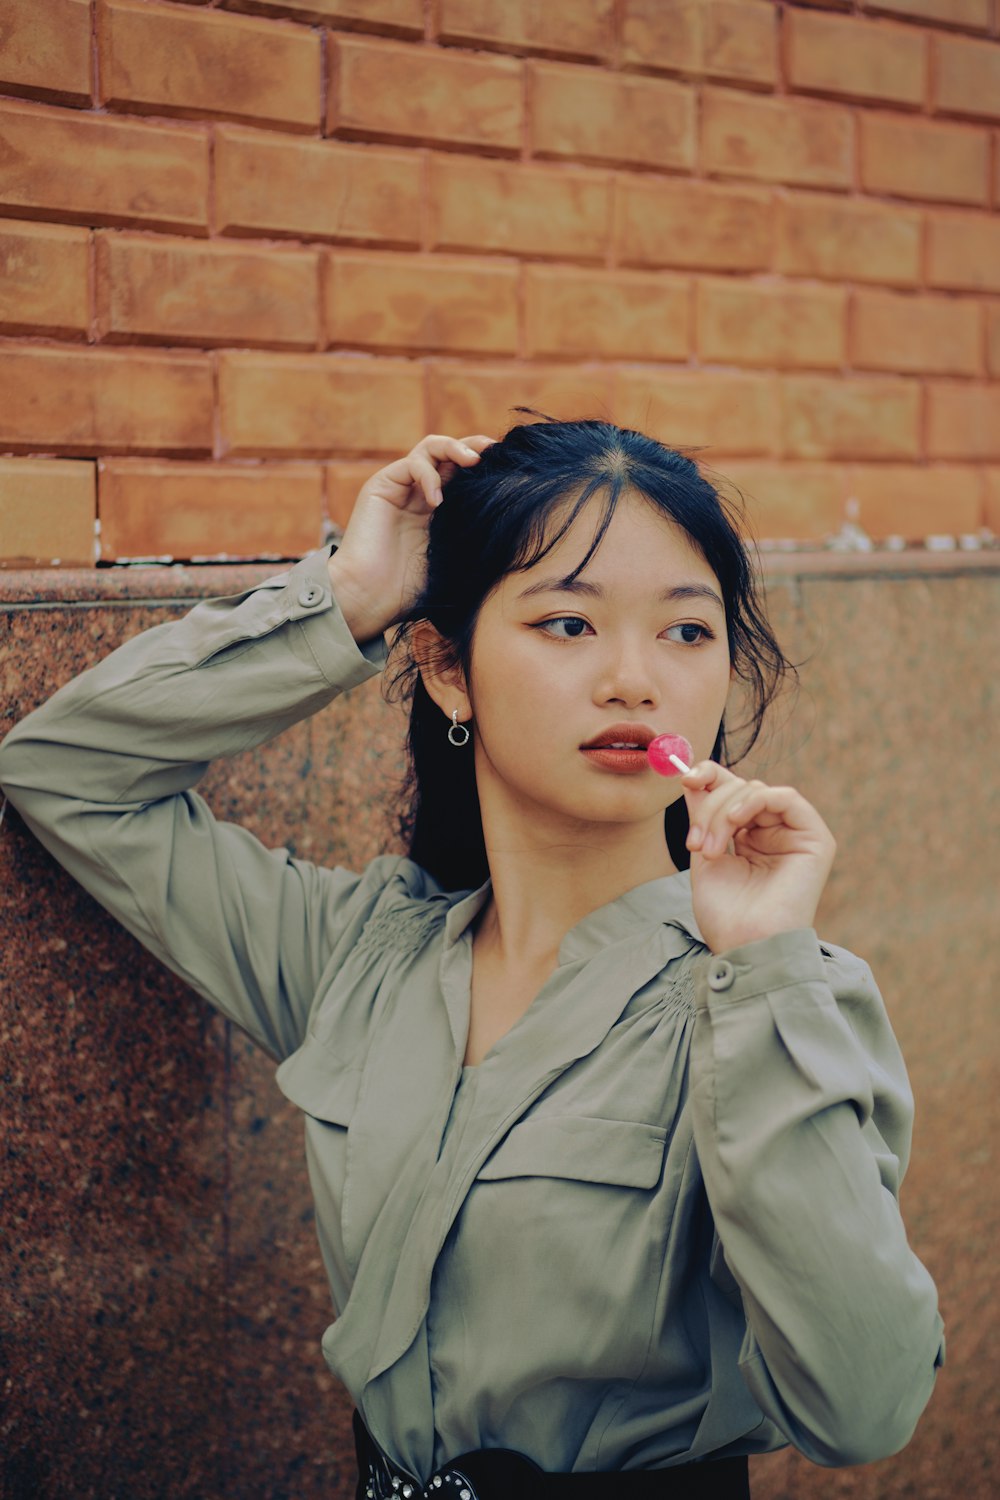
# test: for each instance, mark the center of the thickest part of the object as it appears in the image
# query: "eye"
(573, 623)
(691, 634)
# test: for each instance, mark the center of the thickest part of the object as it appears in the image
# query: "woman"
(605, 1154)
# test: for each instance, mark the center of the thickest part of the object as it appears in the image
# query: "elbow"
(867, 1412)
(862, 1440)
(871, 1425)
(20, 766)
(14, 764)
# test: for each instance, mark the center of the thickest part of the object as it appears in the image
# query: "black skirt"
(501, 1474)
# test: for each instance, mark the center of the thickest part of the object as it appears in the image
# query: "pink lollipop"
(670, 754)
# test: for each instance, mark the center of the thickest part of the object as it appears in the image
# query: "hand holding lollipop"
(760, 855)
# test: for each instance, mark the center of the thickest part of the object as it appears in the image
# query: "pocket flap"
(584, 1148)
(319, 1083)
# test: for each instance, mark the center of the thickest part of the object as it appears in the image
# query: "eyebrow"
(594, 591)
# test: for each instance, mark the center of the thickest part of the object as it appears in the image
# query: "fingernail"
(712, 844)
(736, 807)
(469, 452)
(694, 837)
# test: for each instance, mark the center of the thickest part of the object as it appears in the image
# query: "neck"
(546, 878)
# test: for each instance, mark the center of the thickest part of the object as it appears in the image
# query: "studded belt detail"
(502, 1474)
(382, 1479)
(451, 1483)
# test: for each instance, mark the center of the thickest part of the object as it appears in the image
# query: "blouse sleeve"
(103, 774)
(802, 1118)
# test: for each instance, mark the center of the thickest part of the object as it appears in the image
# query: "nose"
(627, 677)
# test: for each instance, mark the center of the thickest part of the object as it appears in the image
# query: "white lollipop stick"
(675, 760)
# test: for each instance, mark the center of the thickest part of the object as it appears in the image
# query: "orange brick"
(723, 413)
(386, 17)
(855, 418)
(584, 28)
(857, 59)
(621, 314)
(384, 91)
(777, 140)
(160, 59)
(421, 302)
(97, 401)
(992, 515)
(318, 404)
(45, 49)
(745, 324)
(587, 115)
(175, 291)
(102, 171)
(724, 39)
(44, 279)
(973, 14)
(919, 159)
(993, 338)
(842, 239)
(963, 252)
(343, 481)
(522, 210)
(788, 502)
(963, 421)
(268, 184)
(663, 34)
(739, 41)
(47, 512)
(915, 502)
(908, 334)
(481, 398)
(692, 224)
(164, 510)
(967, 76)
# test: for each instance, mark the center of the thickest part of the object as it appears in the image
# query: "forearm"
(103, 772)
(802, 1127)
(361, 612)
(231, 674)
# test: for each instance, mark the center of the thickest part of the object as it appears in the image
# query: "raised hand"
(760, 856)
(380, 566)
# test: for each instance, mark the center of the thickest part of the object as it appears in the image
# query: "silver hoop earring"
(457, 733)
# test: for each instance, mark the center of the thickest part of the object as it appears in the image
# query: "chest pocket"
(565, 1227)
(580, 1148)
(320, 1083)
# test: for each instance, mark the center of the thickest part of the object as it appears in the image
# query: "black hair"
(495, 518)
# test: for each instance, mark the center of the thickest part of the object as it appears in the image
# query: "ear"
(445, 684)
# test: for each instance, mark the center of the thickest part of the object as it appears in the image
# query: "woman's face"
(637, 640)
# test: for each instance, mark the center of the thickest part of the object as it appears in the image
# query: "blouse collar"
(665, 900)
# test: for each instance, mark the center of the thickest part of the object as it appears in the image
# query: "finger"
(705, 775)
(706, 786)
(728, 811)
(426, 476)
(479, 441)
(442, 448)
(774, 806)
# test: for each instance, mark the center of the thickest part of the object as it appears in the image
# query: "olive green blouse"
(657, 1222)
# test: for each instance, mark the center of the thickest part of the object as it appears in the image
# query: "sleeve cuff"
(308, 599)
(759, 968)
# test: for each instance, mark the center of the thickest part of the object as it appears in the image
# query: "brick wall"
(251, 249)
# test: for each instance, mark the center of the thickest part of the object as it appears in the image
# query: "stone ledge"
(165, 584)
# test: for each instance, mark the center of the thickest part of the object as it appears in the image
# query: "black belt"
(502, 1474)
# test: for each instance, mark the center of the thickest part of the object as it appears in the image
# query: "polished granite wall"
(162, 1296)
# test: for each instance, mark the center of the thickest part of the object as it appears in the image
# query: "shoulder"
(408, 904)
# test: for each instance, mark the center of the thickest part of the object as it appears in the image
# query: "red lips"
(622, 734)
